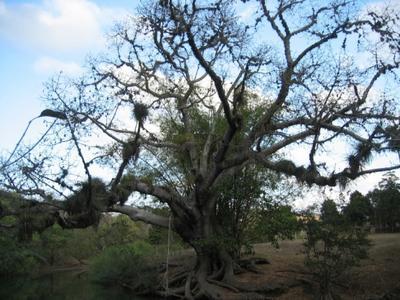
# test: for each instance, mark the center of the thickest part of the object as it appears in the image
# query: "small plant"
(332, 247)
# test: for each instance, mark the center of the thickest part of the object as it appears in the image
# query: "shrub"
(15, 259)
(130, 265)
(331, 250)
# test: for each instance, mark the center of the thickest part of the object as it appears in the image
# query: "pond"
(59, 286)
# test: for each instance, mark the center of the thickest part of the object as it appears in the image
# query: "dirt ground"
(378, 277)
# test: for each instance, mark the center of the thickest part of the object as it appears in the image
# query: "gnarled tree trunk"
(214, 265)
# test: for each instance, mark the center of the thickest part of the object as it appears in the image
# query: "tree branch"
(137, 214)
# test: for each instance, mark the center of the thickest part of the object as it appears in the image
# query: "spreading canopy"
(190, 93)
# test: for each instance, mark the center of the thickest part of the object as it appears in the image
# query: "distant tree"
(117, 230)
(276, 222)
(329, 212)
(82, 244)
(386, 203)
(359, 210)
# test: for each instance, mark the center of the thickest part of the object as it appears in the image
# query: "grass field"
(378, 277)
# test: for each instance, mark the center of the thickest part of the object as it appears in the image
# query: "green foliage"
(276, 222)
(158, 236)
(53, 243)
(330, 213)
(58, 245)
(238, 200)
(249, 211)
(15, 259)
(202, 122)
(82, 243)
(331, 249)
(130, 264)
(393, 135)
(386, 204)
(117, 230)
(359, 209)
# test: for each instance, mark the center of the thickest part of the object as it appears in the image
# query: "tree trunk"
(213, 274)
(214, 264)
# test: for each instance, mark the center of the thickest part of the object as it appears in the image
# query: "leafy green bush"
(276, 222)
(131, 265)
(331, 249)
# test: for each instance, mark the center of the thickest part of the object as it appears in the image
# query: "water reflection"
(60, 285)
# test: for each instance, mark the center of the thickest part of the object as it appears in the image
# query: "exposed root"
(217, 275)
(223, 284)
(189, 285)
(188, 292)
(220, 283)
(178, 278)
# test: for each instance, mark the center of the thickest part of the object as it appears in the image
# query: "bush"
(130, 265)
(15, 259)
(331, 250)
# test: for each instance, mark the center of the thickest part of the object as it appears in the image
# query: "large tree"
(289, 78)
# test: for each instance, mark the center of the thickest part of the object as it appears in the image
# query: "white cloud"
(48, 65)
(57, 25)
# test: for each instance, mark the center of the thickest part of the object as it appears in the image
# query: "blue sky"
(37, 40)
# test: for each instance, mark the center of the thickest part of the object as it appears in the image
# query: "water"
(60, 286)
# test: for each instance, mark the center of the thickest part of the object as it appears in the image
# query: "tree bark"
(214, 264)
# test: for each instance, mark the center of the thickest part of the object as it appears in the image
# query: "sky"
(39, 38)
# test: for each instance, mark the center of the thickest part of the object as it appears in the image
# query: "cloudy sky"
(39, 38)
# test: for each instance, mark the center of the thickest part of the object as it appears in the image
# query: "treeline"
(380, 208)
